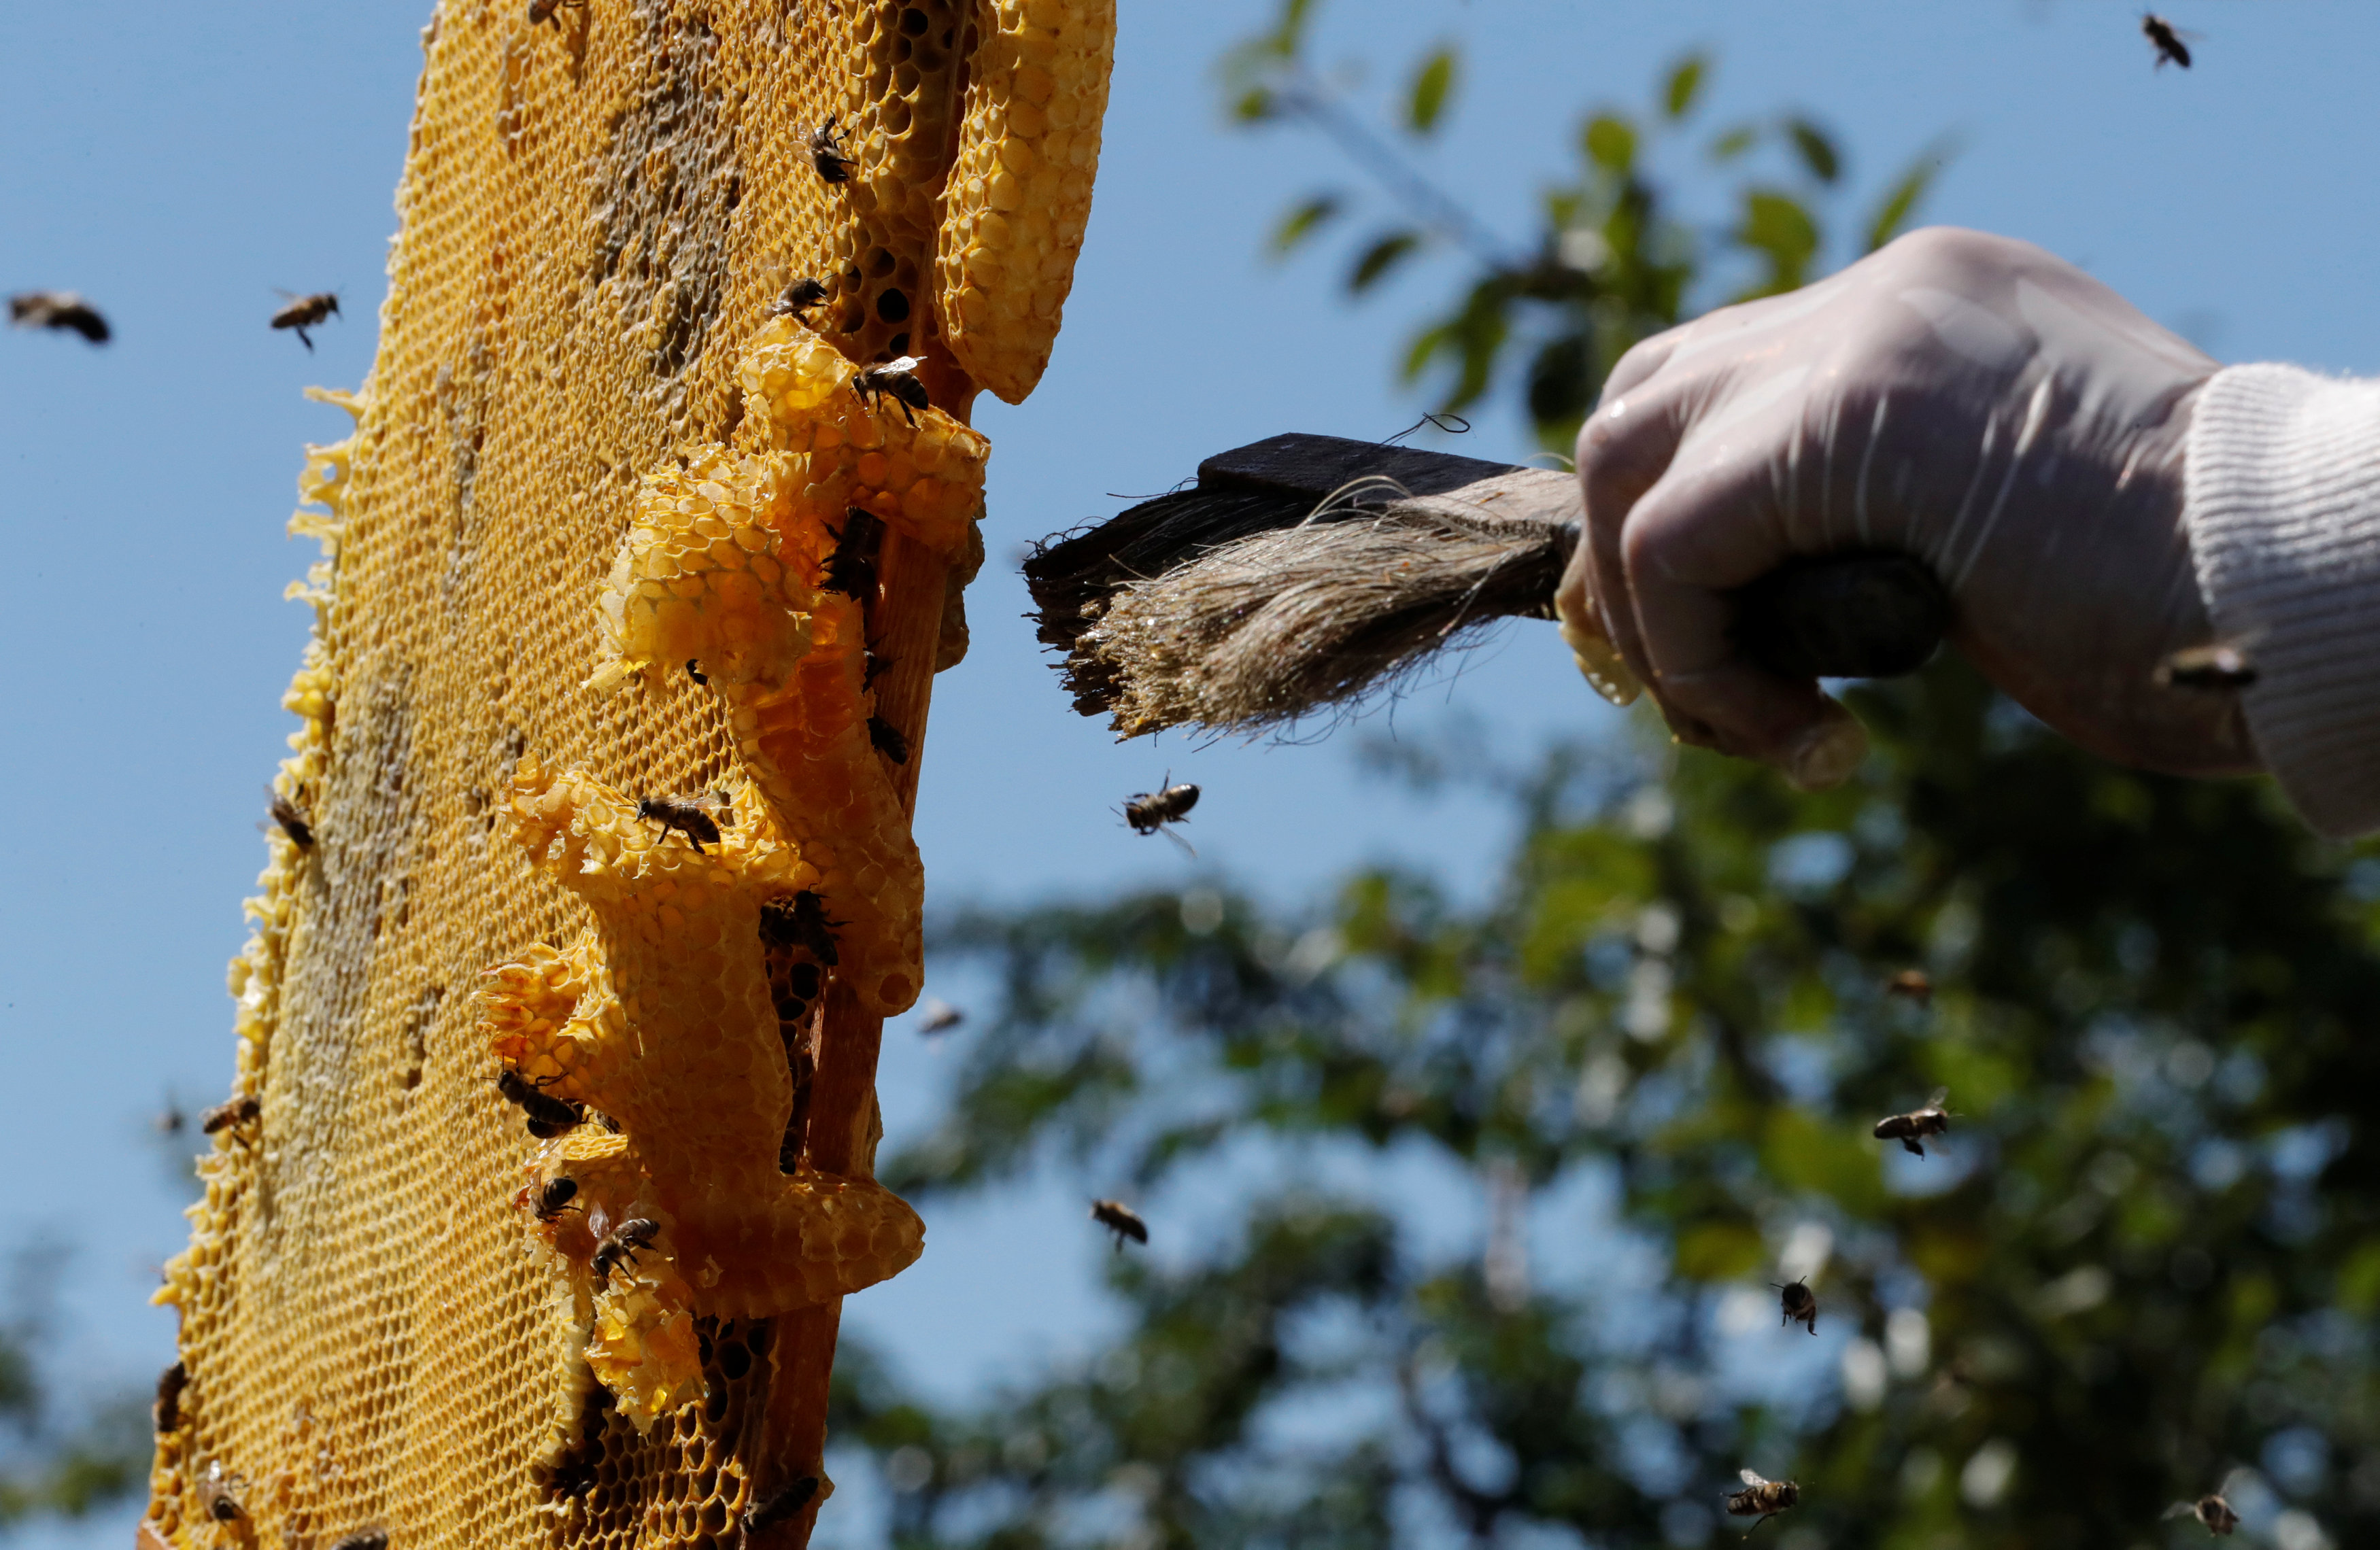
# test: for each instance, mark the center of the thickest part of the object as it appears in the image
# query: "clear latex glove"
(1967, 399)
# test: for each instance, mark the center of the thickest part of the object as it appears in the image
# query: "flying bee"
(621, 1246)
(2207, 667)
(781, 1505)
(897, 376)
(232, 1112)
(1915, 1126)
(307, 312)
(687, 814)
(851, 566)
(363, 1539)
(219, 1492)
(826, 152)
(1761, 1499)
(1914, 985)
(2167, 37)
(548, 1116)
(62, 310)
(554, 1197)
(694, 670)
(167, 1412)
(888, 740)
(1800, 1302)
(1120, 1219)
(2210, 1510)
(800, 921)
(541, 11)
(293, 822)
(1149, 812)
(941, 1018)
(802, 296)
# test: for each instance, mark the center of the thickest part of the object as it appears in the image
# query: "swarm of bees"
(548, 1116)
(620, 1247)
(1915, 1126)
(2170, 49)
(1149, 812)
(291, 821)
(1761, 1499)
(781, 1505)
(1801, 1305)
(2207, 667)
(166, 1414)
(61, 311)
(689, 815)
(232, 1112)
(826, 152)
(1120, 1219)
(303, 312)
(804, 295)
(897, 376)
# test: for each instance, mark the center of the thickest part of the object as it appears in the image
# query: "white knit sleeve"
(2283, 512)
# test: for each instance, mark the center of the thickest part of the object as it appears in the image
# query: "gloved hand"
(1964, 398)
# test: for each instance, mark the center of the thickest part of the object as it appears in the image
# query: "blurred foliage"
(53, 1465)
(2141, 1264)
(1611, 262)
(2144, 1257)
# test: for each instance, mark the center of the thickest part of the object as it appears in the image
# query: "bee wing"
(1941, 1096)
(1187, 848)
(1751, 1477)
(2179, 1510)
(904, 364)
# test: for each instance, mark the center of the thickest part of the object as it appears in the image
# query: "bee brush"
(1309, 571)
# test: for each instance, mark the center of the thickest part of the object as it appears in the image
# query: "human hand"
(1967, 399)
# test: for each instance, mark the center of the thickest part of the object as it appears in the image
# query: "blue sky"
(177, 164)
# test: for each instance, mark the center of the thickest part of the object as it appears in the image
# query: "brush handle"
(1859, 615)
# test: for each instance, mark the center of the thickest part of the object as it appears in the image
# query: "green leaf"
(1776, 227)
(1685, 84)
(1302, 222)
(1610, 143)
(1382, 256)
(1901, 200)
(1719, 1251)
(1816, 150)
(1433, 84)
(1734, 144)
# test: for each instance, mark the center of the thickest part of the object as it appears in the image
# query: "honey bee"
(62, 310)
(826, 152)
(2210, 1510)
(1914, 985)
(541, 11)
(621, 1246)
(694, 670)
(874, 670)
(2168, 38)
(293, 822)
(307, 312)
(548, 1116)
(941, 1018)
(781, 1503)
(888, 740)
(166, 1414)
(851, 566)
(573, 1475)
(1763, 1498)
(219, 1493)
(1800, 1302)
(1149, 812)
(897, 376)
(364, 1539)
(687, 814)
(554, 1197)
(2207, 667)
(1120, 1219)
(1914, 1127)
(232, 1112)
(802, 296)
(800, 921)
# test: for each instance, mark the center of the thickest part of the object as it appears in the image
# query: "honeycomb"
(612, 531)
